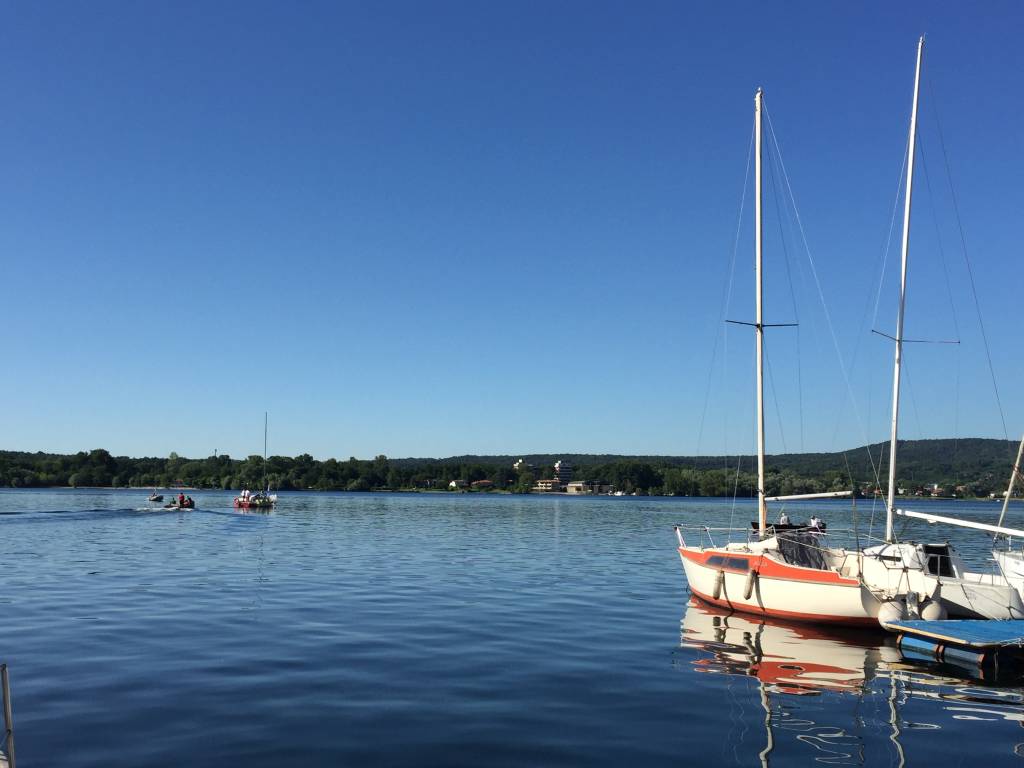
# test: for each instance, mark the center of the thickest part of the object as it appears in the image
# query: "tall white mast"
(1013, 481)
(762, 506)
(891, 500)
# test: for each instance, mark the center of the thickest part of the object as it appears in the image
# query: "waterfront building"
(563, 471)
(588, 488)
(548, 486)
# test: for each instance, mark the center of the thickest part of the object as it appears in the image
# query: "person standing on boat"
(784, 518)
(181, 499)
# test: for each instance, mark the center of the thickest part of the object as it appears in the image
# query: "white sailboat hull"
(777, 589)
(1011, 564)
(851, 589)
(914, 569)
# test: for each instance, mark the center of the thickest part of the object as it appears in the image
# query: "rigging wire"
(735, 490)
(967, 261)
(773, 172)
(722, 329)
(878, 295)
(874, 320)
(892, 227)
(938, 238)
(908, 390)
(821, 294)
(952, 309)
(775, 398)
(773, 183)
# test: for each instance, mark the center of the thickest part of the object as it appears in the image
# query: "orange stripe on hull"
(769, 568)
(850, 621)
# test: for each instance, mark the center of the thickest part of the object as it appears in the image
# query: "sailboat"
(931, 572)
(262, 499)
(787, 575)
(796, 575)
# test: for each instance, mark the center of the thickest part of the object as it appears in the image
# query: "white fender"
(933, 611)
(748, 588)
(719, 583)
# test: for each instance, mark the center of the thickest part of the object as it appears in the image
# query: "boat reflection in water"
(842, 697)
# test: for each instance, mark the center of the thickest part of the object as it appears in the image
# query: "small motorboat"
(156, 497)
(187, 504)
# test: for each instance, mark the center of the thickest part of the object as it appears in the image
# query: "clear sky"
(459, 227)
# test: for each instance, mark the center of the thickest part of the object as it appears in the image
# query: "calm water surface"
(392, 629)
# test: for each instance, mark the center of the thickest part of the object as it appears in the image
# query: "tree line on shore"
(669, 476)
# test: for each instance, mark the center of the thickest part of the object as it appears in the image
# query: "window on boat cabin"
(939, 562)
(737, 563)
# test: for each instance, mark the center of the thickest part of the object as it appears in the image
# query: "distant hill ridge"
(941, 457)
(968, 467)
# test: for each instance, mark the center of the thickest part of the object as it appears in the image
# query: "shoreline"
(463, 491)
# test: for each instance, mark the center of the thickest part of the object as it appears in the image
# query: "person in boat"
(188, 501)
(817, 523)
(784, 518)
(181, 499)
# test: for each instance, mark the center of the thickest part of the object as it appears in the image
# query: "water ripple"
(398, 629)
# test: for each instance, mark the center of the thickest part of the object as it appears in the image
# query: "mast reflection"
(833, 696)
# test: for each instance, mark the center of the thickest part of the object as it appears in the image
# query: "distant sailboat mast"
(891, 499)
(265, 485)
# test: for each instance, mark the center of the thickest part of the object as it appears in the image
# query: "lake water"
(447, 630)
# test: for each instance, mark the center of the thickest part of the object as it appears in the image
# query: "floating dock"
(963, 642)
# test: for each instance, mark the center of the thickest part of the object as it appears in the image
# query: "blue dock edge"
(975, 642)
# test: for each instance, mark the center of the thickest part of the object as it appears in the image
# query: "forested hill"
(967, 467)
(942, 460)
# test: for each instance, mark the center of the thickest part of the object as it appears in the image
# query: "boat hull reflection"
(795, 658)
(839, 697)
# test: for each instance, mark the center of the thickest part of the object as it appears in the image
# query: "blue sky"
(444, 228)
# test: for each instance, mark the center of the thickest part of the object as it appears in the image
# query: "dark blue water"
(392, 629)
